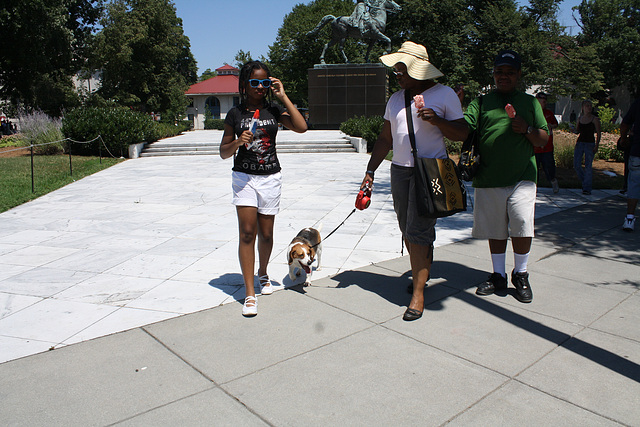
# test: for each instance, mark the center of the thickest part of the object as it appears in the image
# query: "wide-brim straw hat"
(415, 57)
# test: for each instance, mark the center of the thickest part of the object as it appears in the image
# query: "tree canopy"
(146, 61)
(145, 57)
(43, 44)
(207, 74)
(612, 29)
(463, 37)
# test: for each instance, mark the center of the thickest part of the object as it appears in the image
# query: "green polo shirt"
(506, 157)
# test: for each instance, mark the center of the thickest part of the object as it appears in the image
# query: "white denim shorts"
(504, 211)
(260, 191)
(633, 182)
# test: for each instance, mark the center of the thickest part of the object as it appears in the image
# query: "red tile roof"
(227, 67)
(227, 84)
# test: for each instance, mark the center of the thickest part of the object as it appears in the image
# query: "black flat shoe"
(411, 314)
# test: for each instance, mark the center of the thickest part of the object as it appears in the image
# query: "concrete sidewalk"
(149, 248)
(338, 352)
(156, 238)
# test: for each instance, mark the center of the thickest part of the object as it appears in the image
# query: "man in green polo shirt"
(505, 184)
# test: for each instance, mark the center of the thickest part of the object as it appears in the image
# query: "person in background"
(544, 155)
(256, 177)
(588, 130)
(505, 184)
(631, 122)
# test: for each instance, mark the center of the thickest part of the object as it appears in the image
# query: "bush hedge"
(607, 121)
(564, 156)
(364, 127)
(210, 123)
(118, 127)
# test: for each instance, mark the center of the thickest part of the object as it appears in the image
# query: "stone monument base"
(338, 92)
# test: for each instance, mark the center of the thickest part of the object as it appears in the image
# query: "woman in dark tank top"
(588, 129)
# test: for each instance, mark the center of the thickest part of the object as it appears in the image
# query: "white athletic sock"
(498, 261)
(520, 261)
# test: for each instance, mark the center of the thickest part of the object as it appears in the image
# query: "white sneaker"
(628, 224)
(250, 307)
(266, 288)
(555, 186)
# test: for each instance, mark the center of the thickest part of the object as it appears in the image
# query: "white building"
(219, 94)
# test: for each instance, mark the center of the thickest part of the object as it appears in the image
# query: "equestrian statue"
(367, 22)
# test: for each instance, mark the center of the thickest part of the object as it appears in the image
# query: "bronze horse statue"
(342, 27)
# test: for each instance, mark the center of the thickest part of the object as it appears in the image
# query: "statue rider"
(360, 16)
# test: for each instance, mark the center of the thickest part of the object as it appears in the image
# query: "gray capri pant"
(415, 229)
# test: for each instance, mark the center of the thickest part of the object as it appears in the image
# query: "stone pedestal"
(338, 92)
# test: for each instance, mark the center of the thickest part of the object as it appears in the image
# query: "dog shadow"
(298, 283)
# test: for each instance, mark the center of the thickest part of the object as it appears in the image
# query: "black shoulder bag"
(469, 161)
(439, 190)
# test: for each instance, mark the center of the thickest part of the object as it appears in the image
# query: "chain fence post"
(70, 165)
(33, 185)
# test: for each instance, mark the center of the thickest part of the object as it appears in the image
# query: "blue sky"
(218, 29)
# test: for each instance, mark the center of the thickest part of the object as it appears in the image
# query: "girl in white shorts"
(250, 137)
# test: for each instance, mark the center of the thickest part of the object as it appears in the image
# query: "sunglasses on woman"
(257, 82)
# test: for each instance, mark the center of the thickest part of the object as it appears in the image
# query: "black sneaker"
(495, 282)
(523, 289)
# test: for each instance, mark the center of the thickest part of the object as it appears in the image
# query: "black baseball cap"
(508, 57)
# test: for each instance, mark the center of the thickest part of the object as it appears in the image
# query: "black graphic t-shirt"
(259, 157)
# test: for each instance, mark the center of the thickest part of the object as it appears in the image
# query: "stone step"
(175, 148)
(327, 149)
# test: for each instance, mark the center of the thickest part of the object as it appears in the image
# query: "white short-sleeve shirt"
(429, 140)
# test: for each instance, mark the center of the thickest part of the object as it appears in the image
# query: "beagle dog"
(303, 250)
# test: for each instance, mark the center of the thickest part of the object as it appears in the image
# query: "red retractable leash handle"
(363, 199)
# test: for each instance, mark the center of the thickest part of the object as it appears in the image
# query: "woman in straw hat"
(440, 116)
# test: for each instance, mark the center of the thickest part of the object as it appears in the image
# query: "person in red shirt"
(544, 155)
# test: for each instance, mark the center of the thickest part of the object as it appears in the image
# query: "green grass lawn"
(50, 173)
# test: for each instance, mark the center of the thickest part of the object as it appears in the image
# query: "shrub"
(453, 147)
(566, 126)
(183, 126)
(12, 141)
(165, 130)
(609, 152)
(42, 131)
(118, 127)
(364, 127)
(606, 115)
(210, 123)
(564, 156)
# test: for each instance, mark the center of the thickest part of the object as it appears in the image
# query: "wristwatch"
(529, 130)
(370, 173)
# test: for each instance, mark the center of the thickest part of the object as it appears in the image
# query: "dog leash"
(335, 229)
